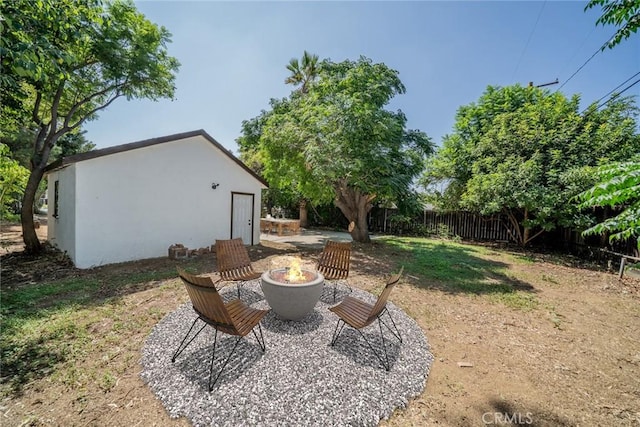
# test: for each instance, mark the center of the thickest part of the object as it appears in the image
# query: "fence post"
(623, 261)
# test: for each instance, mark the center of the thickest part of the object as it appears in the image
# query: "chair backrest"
(233, 259)
(334, 260)
(384, 296)
(207, 302)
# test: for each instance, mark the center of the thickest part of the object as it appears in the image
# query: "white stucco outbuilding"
(133, 201)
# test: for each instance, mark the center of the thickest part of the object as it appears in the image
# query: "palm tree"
(303, 72)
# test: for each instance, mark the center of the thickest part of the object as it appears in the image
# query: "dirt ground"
(572, 360)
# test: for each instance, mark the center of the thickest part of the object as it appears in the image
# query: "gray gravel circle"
(300, 379)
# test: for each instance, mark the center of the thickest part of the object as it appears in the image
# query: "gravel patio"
(299, 380)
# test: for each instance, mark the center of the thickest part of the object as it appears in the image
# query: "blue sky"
(233, 57)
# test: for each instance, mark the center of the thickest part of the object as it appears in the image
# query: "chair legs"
(337, 332)
(335, 289)
(260, 340)
(213, 356)
(180, 348)
(397, 332)
(183, 346)
(385, 362)
(239, 285)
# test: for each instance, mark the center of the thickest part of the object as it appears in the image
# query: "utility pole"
(545, 84)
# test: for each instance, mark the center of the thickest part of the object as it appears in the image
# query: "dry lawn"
(564, 352)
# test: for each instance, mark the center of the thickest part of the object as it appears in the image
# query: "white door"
(242, 217)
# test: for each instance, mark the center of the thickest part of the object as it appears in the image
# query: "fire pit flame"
(294, 274)
(292, 271)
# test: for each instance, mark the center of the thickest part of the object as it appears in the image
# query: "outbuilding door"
(242, 216)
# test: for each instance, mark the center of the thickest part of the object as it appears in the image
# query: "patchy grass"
(71, 339)
(518, 300)
(47, 327)
(458, 268)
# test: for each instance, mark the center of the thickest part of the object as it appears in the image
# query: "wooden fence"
(466, 225)
(494, 228)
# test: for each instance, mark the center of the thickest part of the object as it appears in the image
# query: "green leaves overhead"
(339, 133)
(624, 14)
(303, 72)
(618, 186)
(337, 142)
(77, 55)
(65, 60)
(524, 151)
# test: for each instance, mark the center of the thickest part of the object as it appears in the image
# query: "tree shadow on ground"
(23, 364)
(441, 265)
(35, 289)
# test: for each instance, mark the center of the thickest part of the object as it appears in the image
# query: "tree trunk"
(526, 234)
(527, 237)
(360, 231)
(304, 216)
(355, 206)
(29, 236)
(514, 224)
(527, 230)
(45, 140)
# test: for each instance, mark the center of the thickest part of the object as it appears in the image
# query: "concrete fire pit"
(292, 300)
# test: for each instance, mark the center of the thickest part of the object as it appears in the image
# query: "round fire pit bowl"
(291, 301)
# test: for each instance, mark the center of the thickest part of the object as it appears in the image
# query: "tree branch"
(534, 236)
(55, 105)
(38, 145)
(89, 98)
(36, 108)
(79, 122)
(514, 223)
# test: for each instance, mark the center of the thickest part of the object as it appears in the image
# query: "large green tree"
(522, 151)
(65, 60)
(336, 142)
(624, 14)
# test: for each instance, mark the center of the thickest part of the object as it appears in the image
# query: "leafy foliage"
(618, 186)
(65, 60)
(624, 14)
(524, 151)
(13, 178)
(337, 142)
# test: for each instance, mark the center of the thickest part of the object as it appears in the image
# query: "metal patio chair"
(233, 318)
(334, 263)
(359, 314)
(234, 264)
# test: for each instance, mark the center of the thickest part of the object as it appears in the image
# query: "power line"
(615, 94)
(616, 88)
(585, 63)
